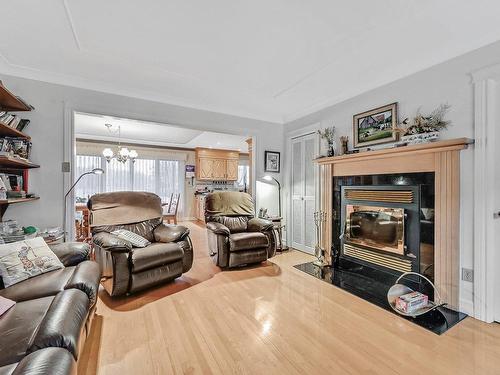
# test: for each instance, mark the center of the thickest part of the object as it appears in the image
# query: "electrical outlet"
(467, 275)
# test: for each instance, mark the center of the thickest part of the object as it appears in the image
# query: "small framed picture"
(375, 126)
(272, 161)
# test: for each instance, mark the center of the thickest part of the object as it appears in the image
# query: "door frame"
(69, 143)
(486, 83)
(307, 130)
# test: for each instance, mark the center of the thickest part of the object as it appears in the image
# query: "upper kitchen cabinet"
(221, 165)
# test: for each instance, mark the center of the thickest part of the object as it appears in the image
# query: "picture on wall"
(375, 126)
(272, 161)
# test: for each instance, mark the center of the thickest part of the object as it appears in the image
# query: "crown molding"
(16, 70)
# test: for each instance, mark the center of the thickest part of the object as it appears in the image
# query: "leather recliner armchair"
(127, 269)
(235, 236)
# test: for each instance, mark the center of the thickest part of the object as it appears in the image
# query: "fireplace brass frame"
(398, 213)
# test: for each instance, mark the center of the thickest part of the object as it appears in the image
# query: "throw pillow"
(133, 238)
(22, 260)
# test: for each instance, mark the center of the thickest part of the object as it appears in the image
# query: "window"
(90, 184)
(162, 177)
(243, 175)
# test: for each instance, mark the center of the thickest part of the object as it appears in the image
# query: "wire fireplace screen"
(380, 228)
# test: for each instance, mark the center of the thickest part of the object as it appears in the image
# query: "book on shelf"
(15, 121)
(16, 147)
(6, 119)
(22, 124)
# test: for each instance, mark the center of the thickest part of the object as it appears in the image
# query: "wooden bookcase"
(11, 103)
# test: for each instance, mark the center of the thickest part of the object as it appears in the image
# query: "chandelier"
(123, 154)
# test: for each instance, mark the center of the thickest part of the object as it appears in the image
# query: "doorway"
(161, 160)
(303, 191)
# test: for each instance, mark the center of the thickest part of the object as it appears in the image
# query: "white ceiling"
(275, 60)
(89, 126)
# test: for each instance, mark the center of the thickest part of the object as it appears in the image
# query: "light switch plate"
(66, 167)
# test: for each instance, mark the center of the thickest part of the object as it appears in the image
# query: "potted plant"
(328, 134)
(424, 128)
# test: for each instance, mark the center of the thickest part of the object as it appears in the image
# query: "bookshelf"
(7, 131)
(11, 103)
(9, 164)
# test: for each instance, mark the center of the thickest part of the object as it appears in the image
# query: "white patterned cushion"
(133, 238)
(22, 260)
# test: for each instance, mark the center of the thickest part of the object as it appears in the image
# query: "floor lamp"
(97, 171)
(271, 178)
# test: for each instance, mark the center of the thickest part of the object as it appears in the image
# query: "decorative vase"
(331, 149)
(415, 139)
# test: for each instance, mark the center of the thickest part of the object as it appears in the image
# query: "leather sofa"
(127, 269)
(45, 331)
(235, 236)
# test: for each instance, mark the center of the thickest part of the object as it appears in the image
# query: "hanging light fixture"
(123, 154)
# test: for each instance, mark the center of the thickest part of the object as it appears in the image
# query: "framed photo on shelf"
(272, 161)
(375, 126)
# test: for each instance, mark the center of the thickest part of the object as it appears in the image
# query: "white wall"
(448, 82)
(49, 123)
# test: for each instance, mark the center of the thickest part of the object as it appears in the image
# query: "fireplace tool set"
(319, 252)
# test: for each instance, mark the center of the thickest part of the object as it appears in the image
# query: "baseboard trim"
(467, 306)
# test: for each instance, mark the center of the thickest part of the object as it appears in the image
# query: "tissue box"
(411, 302)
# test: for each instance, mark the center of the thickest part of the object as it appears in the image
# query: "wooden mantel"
(442, 158)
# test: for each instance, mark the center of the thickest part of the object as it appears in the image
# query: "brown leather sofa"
(45, 331)
(235, 236)
(127, 269)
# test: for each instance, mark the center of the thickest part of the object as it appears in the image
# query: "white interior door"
(496, 194)
(303, 192)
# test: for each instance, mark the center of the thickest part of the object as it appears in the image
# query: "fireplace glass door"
(380, 228)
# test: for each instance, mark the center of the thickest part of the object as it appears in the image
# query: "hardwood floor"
(272, 319)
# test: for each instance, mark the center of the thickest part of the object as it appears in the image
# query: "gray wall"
(447, 82)
(49, 122)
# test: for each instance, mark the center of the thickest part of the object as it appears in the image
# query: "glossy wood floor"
(272, 319)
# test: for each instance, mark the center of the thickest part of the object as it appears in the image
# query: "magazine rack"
(397, 290)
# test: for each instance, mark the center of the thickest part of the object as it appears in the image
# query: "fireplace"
(379, 222)
(379, 228)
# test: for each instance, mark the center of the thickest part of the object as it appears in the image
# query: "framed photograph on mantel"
(375, 126)
(272, 161)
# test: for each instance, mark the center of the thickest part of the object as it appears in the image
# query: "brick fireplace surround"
(443, 159)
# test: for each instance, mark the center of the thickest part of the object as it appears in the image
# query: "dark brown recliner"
(235, 237)
(127, 269)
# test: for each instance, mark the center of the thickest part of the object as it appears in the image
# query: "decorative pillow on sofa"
(22, 260)
(133, 238)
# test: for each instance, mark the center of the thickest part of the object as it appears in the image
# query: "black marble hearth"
(372, 285)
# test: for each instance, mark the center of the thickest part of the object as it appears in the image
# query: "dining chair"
(171, 214)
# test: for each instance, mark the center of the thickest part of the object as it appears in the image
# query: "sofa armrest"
(48, 361)
(218, 228)
(86, 277)
(110, 242)
(63, 323)
(170, 233)
(259, 225)
(71, 253)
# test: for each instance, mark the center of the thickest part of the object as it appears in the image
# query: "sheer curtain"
(90, 184)
(162, 177)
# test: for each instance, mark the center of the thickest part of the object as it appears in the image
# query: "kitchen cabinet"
(219, 165)
(200, 207)
(232, 169)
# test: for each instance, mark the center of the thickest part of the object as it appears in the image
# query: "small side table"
(278, 228)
